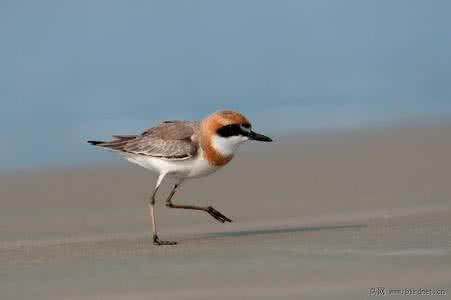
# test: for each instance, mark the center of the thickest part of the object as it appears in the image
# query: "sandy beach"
(329, 216)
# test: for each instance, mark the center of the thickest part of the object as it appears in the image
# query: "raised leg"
(213, 212)
(156, 239)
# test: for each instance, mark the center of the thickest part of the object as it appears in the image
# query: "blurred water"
(76, 70)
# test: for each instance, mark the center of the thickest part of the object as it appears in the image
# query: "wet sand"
(327, 216)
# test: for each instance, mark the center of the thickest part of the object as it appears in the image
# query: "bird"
(181, 150)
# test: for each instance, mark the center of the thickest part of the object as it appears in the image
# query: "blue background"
(77, 70)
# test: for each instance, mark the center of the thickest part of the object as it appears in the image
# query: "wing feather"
(169, 140)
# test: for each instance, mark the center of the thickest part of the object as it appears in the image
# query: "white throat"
(227, 146)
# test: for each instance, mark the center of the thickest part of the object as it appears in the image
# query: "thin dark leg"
(213, 212)
(156, 239)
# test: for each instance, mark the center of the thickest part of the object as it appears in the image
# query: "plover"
(182, 150)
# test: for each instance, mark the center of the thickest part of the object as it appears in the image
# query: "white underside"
(179, 169)
(188, 168)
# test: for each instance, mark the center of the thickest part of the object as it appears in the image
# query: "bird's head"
(226, 130)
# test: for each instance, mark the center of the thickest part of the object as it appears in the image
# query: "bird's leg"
(156, 239)
(213, 212)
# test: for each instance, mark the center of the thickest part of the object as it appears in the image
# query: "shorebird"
(182, 150)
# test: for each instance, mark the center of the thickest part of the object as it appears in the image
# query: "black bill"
(258, 137)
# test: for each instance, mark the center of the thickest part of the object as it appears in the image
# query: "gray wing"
(169, 140)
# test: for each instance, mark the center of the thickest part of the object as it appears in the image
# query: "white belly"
(188, 168)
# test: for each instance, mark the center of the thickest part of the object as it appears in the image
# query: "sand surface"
(328, 216)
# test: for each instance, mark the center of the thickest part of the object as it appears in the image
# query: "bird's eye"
(246, 125)
(229, 130)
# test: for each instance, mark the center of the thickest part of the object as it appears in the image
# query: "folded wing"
(170, 140)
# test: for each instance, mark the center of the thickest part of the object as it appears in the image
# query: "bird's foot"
(158, 242)
(217, 215)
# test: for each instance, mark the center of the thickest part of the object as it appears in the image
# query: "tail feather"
(125, 137)
(117, 145)
(95, 143)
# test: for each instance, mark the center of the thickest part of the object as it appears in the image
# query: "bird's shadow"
(280, 230)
